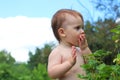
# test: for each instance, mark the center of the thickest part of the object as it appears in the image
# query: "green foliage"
(117, 59)
(99, 36)
(11, 70)
(97, 69)
(5, 73)
(40, 73)
(40, 56)
(116, 37)
(5, 57)
(20, 71)
(35, 59)
(6, 61)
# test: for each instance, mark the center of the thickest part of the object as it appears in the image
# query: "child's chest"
(67, 55)
(76, 68)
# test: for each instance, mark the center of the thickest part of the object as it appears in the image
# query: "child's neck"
(65, 44)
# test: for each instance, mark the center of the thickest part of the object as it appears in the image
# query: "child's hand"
(82, 41)
(73, 58)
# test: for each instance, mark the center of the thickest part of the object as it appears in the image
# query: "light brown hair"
(59, 18)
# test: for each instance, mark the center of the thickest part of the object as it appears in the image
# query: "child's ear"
(61, 32)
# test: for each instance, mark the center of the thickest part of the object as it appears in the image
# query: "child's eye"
(78, 27)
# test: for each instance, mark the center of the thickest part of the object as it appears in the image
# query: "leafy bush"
(40, 73)
(97, 69)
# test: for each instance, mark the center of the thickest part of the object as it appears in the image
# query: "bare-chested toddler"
(65, 59)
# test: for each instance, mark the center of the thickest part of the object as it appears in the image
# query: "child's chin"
(76, 45)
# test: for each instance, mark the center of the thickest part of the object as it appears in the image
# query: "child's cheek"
(79, 36)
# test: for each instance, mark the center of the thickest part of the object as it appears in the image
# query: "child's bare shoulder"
(55, 57)
(55, 52)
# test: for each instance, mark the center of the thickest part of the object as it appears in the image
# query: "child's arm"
(84, 46)
(86, 51)
(56, 69)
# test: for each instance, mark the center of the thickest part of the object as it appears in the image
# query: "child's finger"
(81, 37)
(73, 52)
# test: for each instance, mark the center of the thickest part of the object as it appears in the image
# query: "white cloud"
(18, 34)
(118, 21)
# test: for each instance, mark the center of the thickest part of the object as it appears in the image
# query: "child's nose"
(82, 31)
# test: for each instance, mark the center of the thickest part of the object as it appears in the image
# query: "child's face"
(73, 27)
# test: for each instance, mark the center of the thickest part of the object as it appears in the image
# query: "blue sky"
(32, 8)
(40, 8)
(25, 24)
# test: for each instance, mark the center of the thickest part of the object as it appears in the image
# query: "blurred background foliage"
(101, 35)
